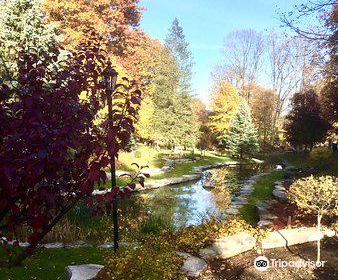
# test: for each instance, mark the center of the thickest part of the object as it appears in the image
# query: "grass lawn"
(49, 264)
(147, 156)
(262, 190)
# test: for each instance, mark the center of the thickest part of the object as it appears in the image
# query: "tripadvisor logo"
(261, 263)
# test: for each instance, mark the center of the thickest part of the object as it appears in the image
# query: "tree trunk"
(319, 217)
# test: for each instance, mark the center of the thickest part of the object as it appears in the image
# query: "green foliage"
(242, 138)
(49, 264)
(22, 27)
(178, 46)
(155, 259)
(316, 195)
(262, 190)
(153, 225)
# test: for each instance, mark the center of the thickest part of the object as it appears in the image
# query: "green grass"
(178, 170)
(262, 190)
(49, 264)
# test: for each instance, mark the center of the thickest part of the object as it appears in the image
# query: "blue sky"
(206, 23)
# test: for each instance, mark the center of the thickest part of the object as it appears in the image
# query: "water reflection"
(187, 204)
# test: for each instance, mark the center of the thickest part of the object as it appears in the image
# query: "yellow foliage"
(316, 195)
(224, 103)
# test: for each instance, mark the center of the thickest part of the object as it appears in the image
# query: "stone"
(267, 216)
(264, 223)
(207, 253)
(56, 245)
(257, 160)
(82, 272)
(183, 255)
(289, 237)
(193, 266)
(77, 244)
(280, 195)
(232, 211)
(230, 246)
(108, 245)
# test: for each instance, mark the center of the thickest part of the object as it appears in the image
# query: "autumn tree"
(22, 28)
(316, 196)
(242, 138)
(115, 20)
(305, 125)
(206, 140)
(243, 51)
(263, 107)
(223, 104)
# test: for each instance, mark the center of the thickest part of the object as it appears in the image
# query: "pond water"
(189, 203)
(177, 206)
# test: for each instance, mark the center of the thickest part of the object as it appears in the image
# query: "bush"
(155, 259)
(153, 225)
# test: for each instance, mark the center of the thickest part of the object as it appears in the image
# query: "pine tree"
(22, 28)
(175, 122)
(242, 138)
(178, 47)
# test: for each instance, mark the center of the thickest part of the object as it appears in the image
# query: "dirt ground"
(241, 267)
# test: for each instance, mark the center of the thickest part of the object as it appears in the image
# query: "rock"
(280, 195)
(207, 253)
(233, 245)
(232, 211)
(183, 255)
(330, 232)
(264, 223)
(267, 216)
(77, 244)
(288, 237)
(257, 160)
(121, 244)
(82, 272)
(56, 245)
(193, 266)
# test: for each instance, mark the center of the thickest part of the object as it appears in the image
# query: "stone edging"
(195, 175)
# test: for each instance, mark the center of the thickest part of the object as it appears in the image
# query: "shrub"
(155, 259)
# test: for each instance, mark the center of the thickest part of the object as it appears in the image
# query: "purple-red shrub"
(52, 151)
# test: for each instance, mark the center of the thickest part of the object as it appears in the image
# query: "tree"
(115, 20)
(173, 120)
(54, 145)
(178, 47)
(304, 125)
(316, 195)
(292, 65)
(242, 138)
(22, 28)
(243, 52)
(224, 104)
(263, 107)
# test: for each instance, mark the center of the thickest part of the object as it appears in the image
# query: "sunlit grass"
(262, 190)
(49, 264)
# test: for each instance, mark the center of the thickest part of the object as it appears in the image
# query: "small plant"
(318, 196)
(154, 259)
(153, 225)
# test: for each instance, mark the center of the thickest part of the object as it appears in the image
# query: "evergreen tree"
(22, 27)
(304, 125)
(178, 47)
(242, 138)
(175, 123)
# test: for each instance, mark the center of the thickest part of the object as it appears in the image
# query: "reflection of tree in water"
(172, 205)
